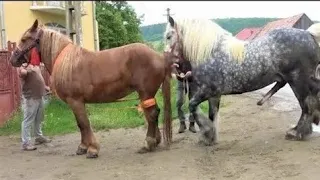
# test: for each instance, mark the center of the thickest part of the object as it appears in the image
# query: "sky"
(154, 10)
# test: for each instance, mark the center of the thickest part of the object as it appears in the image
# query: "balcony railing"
(55, 7)
(58, 4)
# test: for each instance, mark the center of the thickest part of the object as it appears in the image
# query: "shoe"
(42, 140)
(192, 128)
(28, 147)
(182, 127)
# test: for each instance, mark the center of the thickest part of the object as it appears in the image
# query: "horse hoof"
(203, 142)
(143, 150)
(151, 143)
(92, 155)
(81, 151)
(293, 135)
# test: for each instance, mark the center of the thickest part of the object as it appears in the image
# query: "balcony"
(53, 7)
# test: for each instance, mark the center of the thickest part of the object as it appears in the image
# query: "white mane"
(199, 37)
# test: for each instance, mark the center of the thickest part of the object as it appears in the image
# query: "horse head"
(29, 40)
(173, 41)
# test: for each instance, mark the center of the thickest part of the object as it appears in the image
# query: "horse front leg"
(202, 94)
(214, 105)
(89, 145)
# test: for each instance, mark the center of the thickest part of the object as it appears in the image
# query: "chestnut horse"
(80, 76)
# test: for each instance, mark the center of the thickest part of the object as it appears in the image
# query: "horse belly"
(108, 93)
(259, 81)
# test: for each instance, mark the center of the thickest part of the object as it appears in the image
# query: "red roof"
(248, 33)
(281, 23)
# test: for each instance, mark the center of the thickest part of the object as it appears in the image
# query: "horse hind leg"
(89, 145)
(151, 112)
(304, 126)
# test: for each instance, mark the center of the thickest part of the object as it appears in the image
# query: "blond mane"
(52, 43)
(199, 37)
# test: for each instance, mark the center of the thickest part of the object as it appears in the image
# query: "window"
(57, 27)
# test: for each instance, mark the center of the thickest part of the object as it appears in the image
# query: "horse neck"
(50, 52)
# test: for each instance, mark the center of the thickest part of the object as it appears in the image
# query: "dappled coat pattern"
(225, 65)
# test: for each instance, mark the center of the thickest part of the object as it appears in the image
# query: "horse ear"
(171, 21)
(34, 26)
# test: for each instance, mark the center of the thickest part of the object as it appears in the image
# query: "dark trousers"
(182, 89)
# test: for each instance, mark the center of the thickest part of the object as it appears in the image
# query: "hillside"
(155, 32)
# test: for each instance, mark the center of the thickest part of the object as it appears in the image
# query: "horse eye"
(168, 37)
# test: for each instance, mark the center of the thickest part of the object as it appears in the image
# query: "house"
(247, 33)
(300, 21)
(17, 16)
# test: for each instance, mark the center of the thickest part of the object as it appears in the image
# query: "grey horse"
(224, 65)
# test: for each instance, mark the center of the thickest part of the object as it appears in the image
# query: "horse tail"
(314, 29)
(166, 92)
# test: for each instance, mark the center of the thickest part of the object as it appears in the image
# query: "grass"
(60, 120)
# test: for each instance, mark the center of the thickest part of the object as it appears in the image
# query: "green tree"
(118, 24)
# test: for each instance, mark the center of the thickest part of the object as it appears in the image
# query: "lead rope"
(186, 85)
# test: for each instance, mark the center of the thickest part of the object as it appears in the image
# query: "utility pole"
(168, 13)
(73, 21)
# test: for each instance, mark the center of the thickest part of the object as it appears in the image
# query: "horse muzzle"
(17, 60)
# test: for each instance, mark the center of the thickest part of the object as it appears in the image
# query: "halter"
(180, 53)
(22, 53)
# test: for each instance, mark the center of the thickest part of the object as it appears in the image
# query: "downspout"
(3, 30)
(95, 32)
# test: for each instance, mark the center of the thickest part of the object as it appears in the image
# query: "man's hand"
(23, 70)
(182, 75)
(47, 88)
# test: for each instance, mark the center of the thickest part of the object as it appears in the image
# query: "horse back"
(113, 73)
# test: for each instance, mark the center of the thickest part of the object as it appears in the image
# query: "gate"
(8, 84)
(10, 89)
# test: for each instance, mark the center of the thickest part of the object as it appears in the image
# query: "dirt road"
(251, 146)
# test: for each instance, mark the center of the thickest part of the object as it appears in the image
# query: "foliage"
(234, 25)
(118, 24)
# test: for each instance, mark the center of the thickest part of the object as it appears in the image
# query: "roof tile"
(248, 33)
(281, 23)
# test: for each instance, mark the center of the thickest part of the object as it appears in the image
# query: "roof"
(247, 33)
(281, 23)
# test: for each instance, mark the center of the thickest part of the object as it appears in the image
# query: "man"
(33, 90)
(185, 85)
